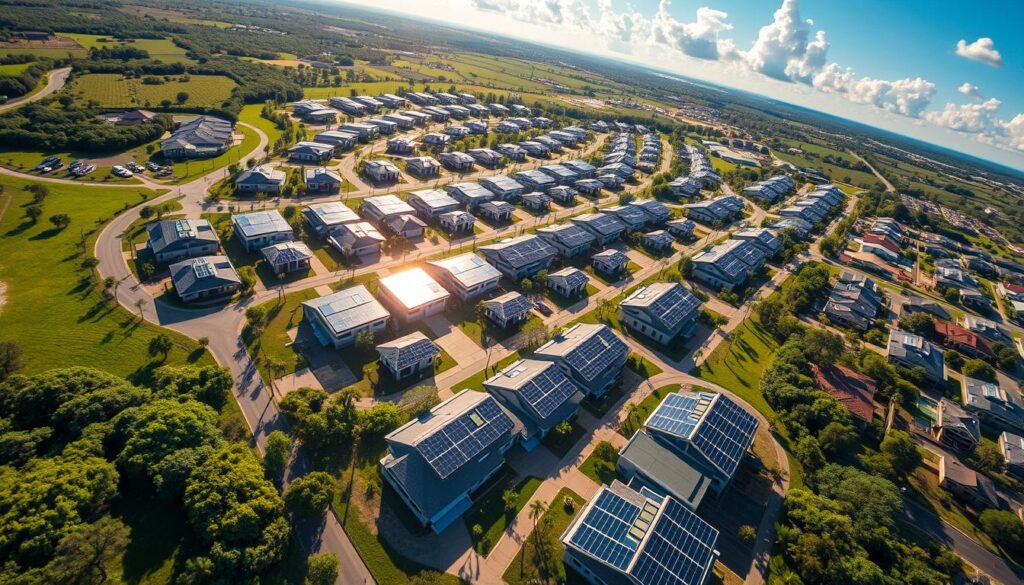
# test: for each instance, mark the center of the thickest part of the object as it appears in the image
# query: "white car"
(120, 171)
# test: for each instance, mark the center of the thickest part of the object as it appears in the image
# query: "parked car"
(542, 308)
(120, 171)
(135, 167)
(152, 166)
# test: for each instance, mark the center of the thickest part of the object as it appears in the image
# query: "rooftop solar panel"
(449, 447)
(716, 426)
(679, 550)
(596, 353)
(547, 391)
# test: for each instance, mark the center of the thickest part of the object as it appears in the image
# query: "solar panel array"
(575, 278)
(203, 268)
(184, 228)
(605, 531)
(678, 414)
(465, 437)
(573, 235)
(416, 352)
(349, 308)
(527, 250)
(513, 306)
(722, 437)
(679, 551)
(547, 391)
(596, 353)
(674, 306)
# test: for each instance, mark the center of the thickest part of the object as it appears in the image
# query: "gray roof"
(179, 232)
(520, 251)
(602, 223)
(664, 467)
(408, 350)
(569, 234)
(284, 252)
(201, 132)
(347, 309)
(611, 256)
(501, 183)
(434, 198)
(356, 234)
(413, 288)
(260, 223)
(468, 269)
(319, 174)
(388, 205)
(917, 351)
(1013, 448)
(573, 277)
(542, 388)
(509, 305)
(990, 398)
(586, 348)
(203, 273)
(668, 303)
(332, 213)
(261, 174)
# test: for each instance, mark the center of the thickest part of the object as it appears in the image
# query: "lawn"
(561, 444)
(185, 172)
(53, 308)
(490, 514)
(112, 90)
(274, 342)
(563, 303)
(599, 468)
(925, 490)
(250, 114)
(639, 414)
(162, 49)
(527, 562)
(641, 367)
(476, 381)
(465, 318)
(13, 69)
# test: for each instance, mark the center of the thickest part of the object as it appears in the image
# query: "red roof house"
(852, 389)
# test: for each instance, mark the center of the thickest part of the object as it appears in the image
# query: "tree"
(809, 454)
(60, 220)
(365, 341)
(209, 384)
(10, 359)
(919, 323)
(237, 515)
(987, 457)
(747, 533)
(509, 498)
(837, 439)
(1005, 528)
(182, 97)
(34, 212)
(822, 346)
(527, 286)
(276, 453)
(381, 419)
(256, 319)
(978, 369)
(160, 345)
(954, 360)
(899, 455)
(247, 278)
(321, 569)
(537, 510)
(311, 494)
(89, 548)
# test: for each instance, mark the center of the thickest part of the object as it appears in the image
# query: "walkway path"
(55, 80)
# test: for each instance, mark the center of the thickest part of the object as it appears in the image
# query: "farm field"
(162, 49)
(13, 69)
(171, 16)
(113, 91)
(812, 158)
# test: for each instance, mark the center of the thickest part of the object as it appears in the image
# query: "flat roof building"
(337, 319)
(324, 217)
(412, 295)
(466, 276)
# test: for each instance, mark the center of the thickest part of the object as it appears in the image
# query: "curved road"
(55, 80)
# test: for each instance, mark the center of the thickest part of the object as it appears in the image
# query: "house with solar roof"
(471, 195)
(727, 265)
(650, 463)
(287, 257)
(909, 350)
(569, 282)
(357, 238)
(310, 152)
(456, 221)
(200, 137)
(519, 258)
(382, 207)
(583, 169)
(260, 179)
(260, 229)
(560, 173)
(504, 187)
(486, 156)
(639, 537)
(681, 228)
(203, 278)
(508, 310)
(662, 311)
(408, 356)
(610, 262)
(568, 239)
(534, 180)
(411, 295)
(536, 201)
(431, 203)
(591, 355)
(507, 127)
(995, 406)
(341, 141)
(589, 187)
(634, 218)
(761, 238)
(655, 211)
(336, 319)
(466, 276)
(174, 239)
(564, 195)
(538, 394)
(658, 241)
(604, 226)
(707, 430)
(497, 211)
(438, 459)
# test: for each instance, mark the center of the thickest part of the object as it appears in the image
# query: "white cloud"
(782, 45)
(697, 39)
(1014, 130)
(982, 50)
(978, 118)
(812, 62)
(833, 78)
(908, 97)
(970, 90)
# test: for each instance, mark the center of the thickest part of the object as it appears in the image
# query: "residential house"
(372, 104)
(287, 257)
(311, 152)
(322, 180)
(437, 460)
(471, 195)
(966, 484)
(637, 536)
(955, 428)
(401, 145)
(963, 341)
(171, 240)
(589, 187)
(259, 229)
(408, 356)
(401, 120)
(431, 203)
(357, 238)
(569, 282)
(485, 156)
(610, 262)
(910, 351)
(496, 211)
(605, 227)
(722, 267)
(200, 137)
(591, 355)
(987, 329)
(568, 239)
(995, 406)
(459, 162)
(503, 187)
(562, 174)
(380, 171)
(565, 196)
(466, 276)
(920, 305)
(854, 304)
(435, 140)
(536, 201)
(761, 238)
(507, 127)
(423, 166)
(583, 169)
(456, 222)
(662, 311)
(658, 241)
(411, 295)
(687, 187)
(418, 118)
(655, 211)
(349, 106)
(850, 388)
(519, 258)
(1009, 291)
(534, 180)
(260, 179)
(379, 208)
(390, 100)
(341, 141)
(681, 228)
(508, 310)
(1012, 448)
(538, 394)
(322, 218)
(204, 278)
(634, 218)
(513, 152)
(405, 226)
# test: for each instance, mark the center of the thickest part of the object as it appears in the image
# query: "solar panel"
(203, 268)
(452, 445)
(674, 306)
(680, 549)
(416, 352)
(604, 531)
(526, 251)
(722, 435)
(547, 391)
(596, 353)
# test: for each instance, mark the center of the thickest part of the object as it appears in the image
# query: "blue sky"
(891, 64)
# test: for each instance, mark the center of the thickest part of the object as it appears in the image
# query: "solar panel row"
(452, 445)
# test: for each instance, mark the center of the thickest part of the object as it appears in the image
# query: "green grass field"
(26, 161)
(489, 512)
(111, 90)
(523, 568)
(162, 49)
(13, 69)
(251, 115)
(52, 309)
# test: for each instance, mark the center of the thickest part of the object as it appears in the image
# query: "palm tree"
(139, 304)
(537, 509)
(631, 409)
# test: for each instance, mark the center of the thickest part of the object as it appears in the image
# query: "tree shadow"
(46, 234)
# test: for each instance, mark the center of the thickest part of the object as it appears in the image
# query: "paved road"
(55, 80)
